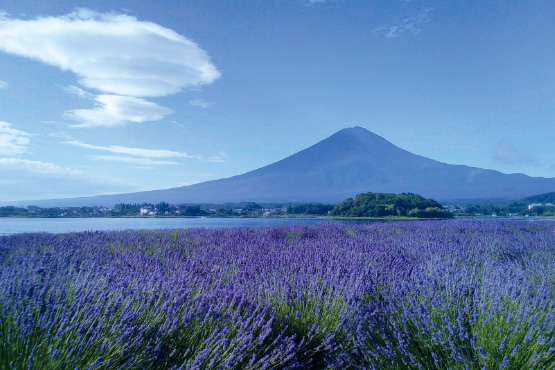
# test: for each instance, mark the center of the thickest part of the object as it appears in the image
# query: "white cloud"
(3, 84)
(141, 161)
(200, 103)
(410, 25)
(137, 152)
(112, 53)
(219, 158)
(78, 92)
(506, 153)
(12, 141)
(38, 167)
(116, 110)
(123, 58)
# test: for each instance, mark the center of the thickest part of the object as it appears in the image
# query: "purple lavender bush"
(453, 294)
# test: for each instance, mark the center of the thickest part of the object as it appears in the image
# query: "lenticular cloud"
(112, 53)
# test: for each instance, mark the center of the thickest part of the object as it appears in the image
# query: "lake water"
(63, 225)
(10, 226)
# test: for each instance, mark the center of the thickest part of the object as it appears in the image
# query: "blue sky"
(101, 97)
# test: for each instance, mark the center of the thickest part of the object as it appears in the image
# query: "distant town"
(379, 205)
(247, 209)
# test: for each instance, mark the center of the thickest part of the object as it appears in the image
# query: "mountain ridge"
(351, 161)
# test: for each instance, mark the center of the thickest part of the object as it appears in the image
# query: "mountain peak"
(360, 133)
(359, 139)
(355, 130)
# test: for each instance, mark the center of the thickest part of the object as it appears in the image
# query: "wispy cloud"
(133, 160)
(137, 152)
(407, 25)
(219, 158)
(3, 84)
(200, 103)
(46, 168)
(12, 141)
(122, 57)
(115, 110)
(178, 124)
(506, 153)
(78, 92)
(24, 179)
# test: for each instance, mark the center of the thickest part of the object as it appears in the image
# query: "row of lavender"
(414, 295)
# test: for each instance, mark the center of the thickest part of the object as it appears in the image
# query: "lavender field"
(415, 295)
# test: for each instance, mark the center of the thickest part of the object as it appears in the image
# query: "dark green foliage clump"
(12, 211)
(386, 204)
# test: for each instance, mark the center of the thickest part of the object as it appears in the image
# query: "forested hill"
(540, 198)
(386, 204)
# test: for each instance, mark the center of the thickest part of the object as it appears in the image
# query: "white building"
(540, 205)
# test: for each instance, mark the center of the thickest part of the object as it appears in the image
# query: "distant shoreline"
(388, 218)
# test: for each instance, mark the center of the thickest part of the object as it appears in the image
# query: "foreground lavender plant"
(420, 295)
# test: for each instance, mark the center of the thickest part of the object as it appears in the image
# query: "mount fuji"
(351, 161)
